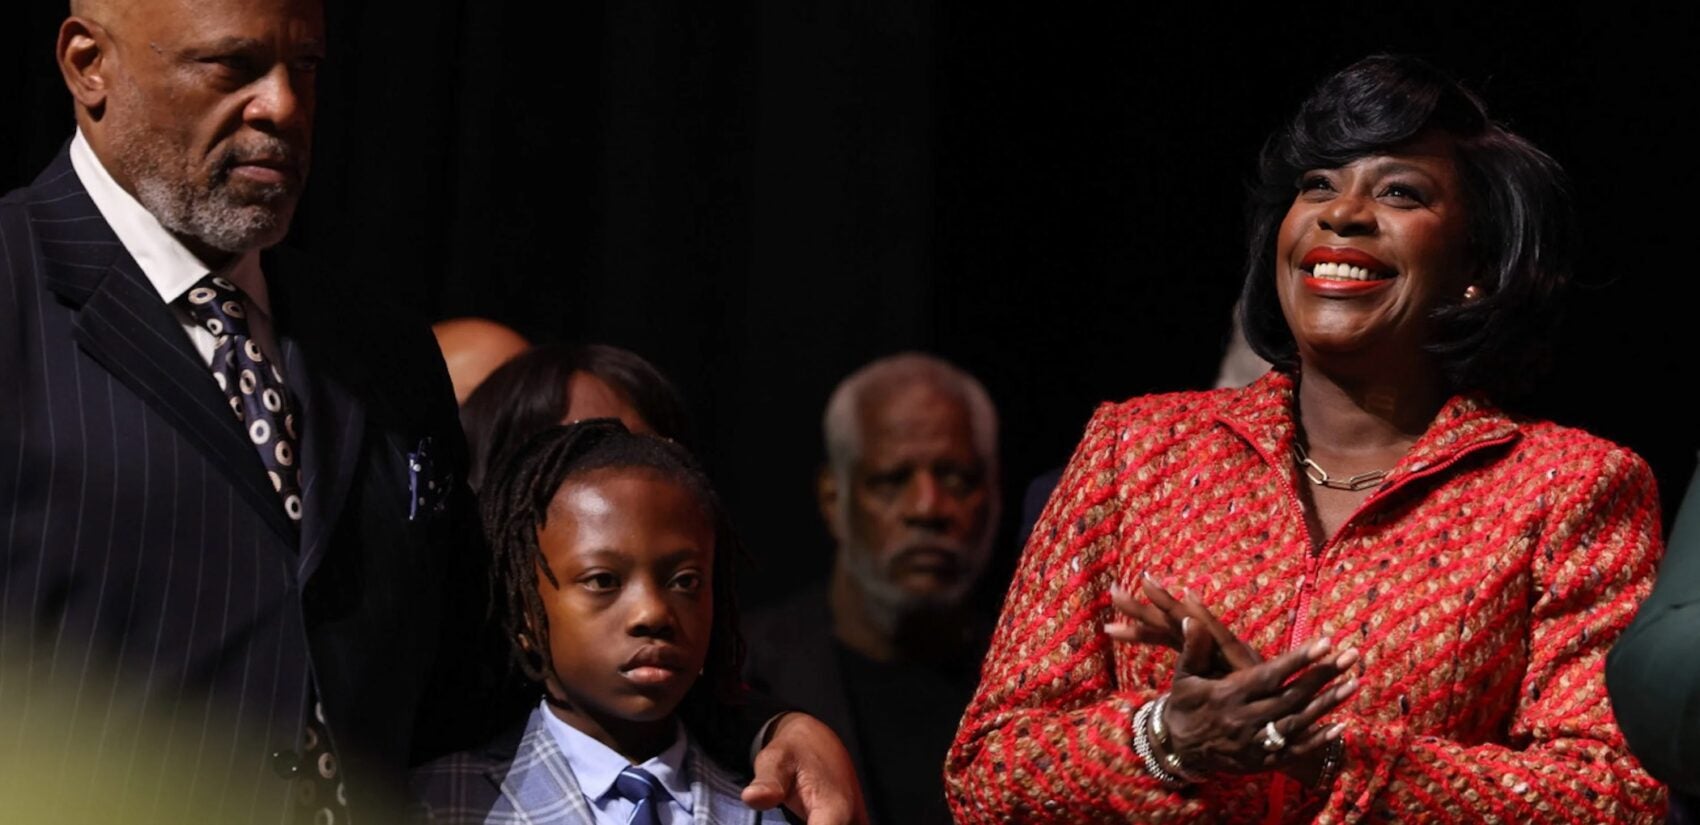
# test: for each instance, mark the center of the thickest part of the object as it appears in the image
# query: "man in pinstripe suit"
(170, 605)
(159, 595)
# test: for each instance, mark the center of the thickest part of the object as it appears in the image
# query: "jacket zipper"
(1300, 628)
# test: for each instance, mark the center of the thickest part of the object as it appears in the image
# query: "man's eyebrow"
(237, 45)
(225, 45)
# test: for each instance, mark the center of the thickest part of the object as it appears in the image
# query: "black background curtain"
(760, 196)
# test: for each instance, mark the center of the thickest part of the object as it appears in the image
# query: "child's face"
(629, 624)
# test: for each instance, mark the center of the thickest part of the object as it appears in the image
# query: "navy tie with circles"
(259, 399)
(252, 383)
(641, 787)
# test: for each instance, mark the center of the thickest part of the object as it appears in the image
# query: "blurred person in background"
(888, 652)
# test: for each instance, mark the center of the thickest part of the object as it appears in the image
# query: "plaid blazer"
(522, 778)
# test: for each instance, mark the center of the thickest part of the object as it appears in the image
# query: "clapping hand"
(1230, 711)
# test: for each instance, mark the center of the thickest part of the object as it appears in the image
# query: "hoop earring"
(1472, 292)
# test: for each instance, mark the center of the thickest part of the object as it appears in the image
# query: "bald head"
(99, 10)
(473, 348)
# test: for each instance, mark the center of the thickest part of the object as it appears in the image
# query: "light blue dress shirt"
(596, 766)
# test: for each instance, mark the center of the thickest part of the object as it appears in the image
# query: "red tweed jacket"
(1484, 581)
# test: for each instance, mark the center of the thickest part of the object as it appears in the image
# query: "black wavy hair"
(515, 504)
(529, 394)
(1522, 224)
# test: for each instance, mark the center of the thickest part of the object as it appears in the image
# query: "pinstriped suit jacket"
(149, 571)
(523, 778)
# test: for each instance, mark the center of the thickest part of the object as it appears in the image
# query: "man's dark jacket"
(155, 601)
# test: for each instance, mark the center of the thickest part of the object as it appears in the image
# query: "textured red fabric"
(1484, 582)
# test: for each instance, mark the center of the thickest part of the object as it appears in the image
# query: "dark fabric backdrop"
(760, 196)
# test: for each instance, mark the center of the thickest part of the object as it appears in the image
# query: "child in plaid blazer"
(613, 566)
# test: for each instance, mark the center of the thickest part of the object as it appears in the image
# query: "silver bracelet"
(1332, 762)
(1142, 746)
(1160, 743)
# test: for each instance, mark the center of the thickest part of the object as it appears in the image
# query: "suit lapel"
(122, 324)
(539, 784)
(333, 420)
(332, 416)
(714, 797)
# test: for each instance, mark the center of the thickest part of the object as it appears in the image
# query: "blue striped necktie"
(642, 788)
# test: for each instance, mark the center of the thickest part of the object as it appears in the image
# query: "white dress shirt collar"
(596, 765)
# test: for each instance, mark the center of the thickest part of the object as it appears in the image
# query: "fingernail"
(1346, 689)
(1335, 732)
(1186, 625)
(1347, 659)
(1153, 579)
(1319, 648)
(1114, 627)
(1188, 595)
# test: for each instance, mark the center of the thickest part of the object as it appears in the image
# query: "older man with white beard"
(888, 652)
(242, 573)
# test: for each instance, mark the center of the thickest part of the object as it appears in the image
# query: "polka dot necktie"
(259, 399)
(641, 786)
(320, 797)
(252, 383)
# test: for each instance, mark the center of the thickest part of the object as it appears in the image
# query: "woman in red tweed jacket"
(1392, 599)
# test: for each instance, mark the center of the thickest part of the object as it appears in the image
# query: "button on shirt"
(169, 265)
(596, 766)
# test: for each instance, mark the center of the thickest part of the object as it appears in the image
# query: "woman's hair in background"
(1522, 225)
(529, 394)
(515, 504)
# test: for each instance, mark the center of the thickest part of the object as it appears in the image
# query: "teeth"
(1342, 272)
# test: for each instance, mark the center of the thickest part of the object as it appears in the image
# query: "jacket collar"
(1262, 414)
(120, 321)
(538, 783)
(538, 778)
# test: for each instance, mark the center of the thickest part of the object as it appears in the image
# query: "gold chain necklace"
(1321, 478)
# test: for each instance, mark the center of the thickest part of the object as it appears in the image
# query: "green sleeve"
(1653, 673)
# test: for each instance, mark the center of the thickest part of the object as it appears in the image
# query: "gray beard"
(214, 214)
(888, 604)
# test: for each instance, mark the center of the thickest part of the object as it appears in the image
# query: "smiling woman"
(1368, 251)
(1390, 599)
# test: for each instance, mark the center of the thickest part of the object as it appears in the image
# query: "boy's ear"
(531, 661)
(526, 638)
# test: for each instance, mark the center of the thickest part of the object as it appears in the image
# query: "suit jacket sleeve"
(1654, 671)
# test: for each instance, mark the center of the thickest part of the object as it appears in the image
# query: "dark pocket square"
(427, 487)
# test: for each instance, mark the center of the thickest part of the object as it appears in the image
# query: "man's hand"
(804, 767)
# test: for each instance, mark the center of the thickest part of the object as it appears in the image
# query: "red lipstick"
(1343, 289)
